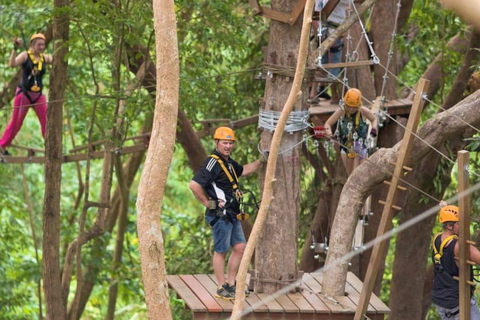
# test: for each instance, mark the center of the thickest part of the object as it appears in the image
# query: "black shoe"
(234, 287)
(226, 292)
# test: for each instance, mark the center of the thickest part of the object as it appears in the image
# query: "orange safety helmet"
(224, 133)
(448, 213)
(353, 98)
(37, 36)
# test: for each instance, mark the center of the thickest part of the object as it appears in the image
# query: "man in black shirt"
(215, 186)
(445, 293)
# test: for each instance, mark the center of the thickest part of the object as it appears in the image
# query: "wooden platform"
(324, 110)
(198, 292)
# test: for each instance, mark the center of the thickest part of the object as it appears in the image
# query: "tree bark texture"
(159, 156)
(371, 173)
(268, 191)
(51, 273)
(360, 77)
(387, 138)
(277, 249)
(381, 34)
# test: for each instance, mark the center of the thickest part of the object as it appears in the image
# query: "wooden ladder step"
(393, 206)
(398, 187)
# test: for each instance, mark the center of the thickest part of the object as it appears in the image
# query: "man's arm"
(474, 253)
(251, 168)
(198, 192)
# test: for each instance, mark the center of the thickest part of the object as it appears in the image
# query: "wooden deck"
(198, 292)
(324, 110)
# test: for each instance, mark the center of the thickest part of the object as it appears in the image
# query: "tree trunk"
(413, 244)
(381, 35)
(159, 156)
(459, 43)
(56, 309)
(362, 182)
(276, 253)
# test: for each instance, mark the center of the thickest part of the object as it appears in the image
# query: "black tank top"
(28, 79)
(445, 288)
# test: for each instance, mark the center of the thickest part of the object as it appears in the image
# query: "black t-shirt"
(216, 184)
(445, 288)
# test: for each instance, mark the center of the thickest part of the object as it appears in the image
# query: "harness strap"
(35, 62)
(446, 242)
(238, 193)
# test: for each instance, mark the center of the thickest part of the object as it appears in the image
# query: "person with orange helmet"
(216, 186)
(445, 253)
(29, 91)
(352, 129)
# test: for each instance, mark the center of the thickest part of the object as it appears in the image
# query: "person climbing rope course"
(216, 186)
(352, 129)
(445, 294)
(29, 91)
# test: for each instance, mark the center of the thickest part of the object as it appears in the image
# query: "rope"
(429, 101)
(115, 93)
(268, 119)
(390, 55)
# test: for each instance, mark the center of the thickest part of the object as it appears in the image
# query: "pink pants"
(21, 105)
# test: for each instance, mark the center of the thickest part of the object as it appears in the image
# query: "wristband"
(212, 204)
(373, 132)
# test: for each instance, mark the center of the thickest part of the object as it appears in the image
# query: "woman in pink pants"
(29, 91)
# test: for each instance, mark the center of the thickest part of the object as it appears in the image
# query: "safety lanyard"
(238, 193)
(439, 253)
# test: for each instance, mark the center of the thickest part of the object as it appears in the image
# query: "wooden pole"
(388, 209)
(464, 235)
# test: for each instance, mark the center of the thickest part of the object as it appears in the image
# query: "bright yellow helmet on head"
(353, 98)
(37, 36)
(224, 133)
(448, 214)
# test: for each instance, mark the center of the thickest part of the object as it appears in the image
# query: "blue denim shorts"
(226, 234)
(334, 54)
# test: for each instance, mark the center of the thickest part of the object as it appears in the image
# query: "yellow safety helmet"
(448, 213)
(224, 133)
(353, 98)
(37, 36)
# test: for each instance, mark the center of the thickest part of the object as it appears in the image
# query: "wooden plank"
(272, 304)
(302, 304)
(336, 304)
(315, 301)
(346, 64)
(354, 296)
(201, 293)
(287, 304)
(464, 235)
(387, 214)
(185, 293)
(374, 300)
(211, 287)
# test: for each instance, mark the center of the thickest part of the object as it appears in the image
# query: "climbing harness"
(236, 190)
(36, 71)
(438, 268)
